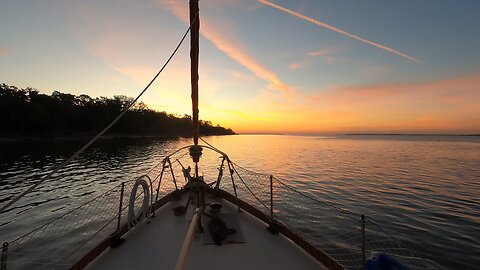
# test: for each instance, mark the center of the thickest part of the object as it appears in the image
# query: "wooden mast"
(194, 48)
(196, 150)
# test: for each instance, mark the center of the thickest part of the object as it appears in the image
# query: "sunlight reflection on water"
(424, 190)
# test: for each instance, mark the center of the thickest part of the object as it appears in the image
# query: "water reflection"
(423, 189)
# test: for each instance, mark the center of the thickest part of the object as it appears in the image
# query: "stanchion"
(3, 260)
(363, 242)
(120, 205)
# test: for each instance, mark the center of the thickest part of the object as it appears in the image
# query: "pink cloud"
(441, 105)
(296, 65)
(446, 105)
(109, 38)
(325, 54)
(455, 89)
(5, 51)
(241, 76)
(228, 45)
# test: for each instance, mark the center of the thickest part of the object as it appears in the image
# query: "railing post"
(363, 242)
(3, 261)
(271, 199)
(220, 174)
(173, 175)
(120, 205)
(232, 171)
(159, 182)
(273, 227)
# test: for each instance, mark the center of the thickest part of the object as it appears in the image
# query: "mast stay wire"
(81, 150)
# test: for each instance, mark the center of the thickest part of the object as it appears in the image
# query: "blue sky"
(261, 69)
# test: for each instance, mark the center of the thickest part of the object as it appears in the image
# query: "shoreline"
(4, 139)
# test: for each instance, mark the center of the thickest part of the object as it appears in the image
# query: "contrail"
(338, 30)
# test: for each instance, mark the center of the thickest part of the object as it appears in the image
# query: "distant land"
(25, 113)
(407, 134)
(357, 134)
(262, 133)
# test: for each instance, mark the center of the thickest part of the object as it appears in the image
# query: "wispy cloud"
(107, 39)
(230, 47)
(446, 105)
(241, 76)
(460, 90)
(442, 105)
(4, 51)
(298, 65)
(242, 57)
(338, 30)
(325, 54)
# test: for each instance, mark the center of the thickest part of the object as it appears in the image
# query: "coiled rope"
(81, 150)
(144, 213)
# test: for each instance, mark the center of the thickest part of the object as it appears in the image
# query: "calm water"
(425, 190)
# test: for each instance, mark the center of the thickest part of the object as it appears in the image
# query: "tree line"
(26, 112)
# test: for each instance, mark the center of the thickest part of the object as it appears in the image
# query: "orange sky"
(265, 66)
(440, 106)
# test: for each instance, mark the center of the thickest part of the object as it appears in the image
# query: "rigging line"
(76, 154)
(253, 194)
(66, 257)
(67, 213)
(218, 150)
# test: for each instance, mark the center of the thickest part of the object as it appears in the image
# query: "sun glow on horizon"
(261, 70)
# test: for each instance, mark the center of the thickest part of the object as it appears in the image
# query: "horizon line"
(356, 134)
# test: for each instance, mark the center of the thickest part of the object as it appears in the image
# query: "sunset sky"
(307, 66)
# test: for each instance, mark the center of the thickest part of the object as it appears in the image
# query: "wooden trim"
(182, 258)
(297, 239)
(194, 51)
(96, 251)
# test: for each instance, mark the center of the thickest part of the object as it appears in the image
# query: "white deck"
(157, 245)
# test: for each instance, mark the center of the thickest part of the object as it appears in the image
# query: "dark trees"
(26, 112)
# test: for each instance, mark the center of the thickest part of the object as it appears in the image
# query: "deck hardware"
(195, 152)
(159, 183)
(171, 171)
(230, 168)
(220, 174)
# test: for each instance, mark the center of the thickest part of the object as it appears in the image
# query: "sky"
(266, 66)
